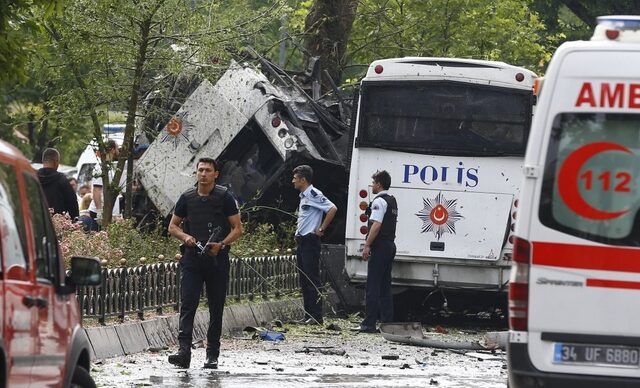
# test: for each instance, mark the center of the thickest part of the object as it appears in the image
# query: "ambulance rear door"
(584, 279)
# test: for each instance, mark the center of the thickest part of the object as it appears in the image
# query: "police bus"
(452, 133)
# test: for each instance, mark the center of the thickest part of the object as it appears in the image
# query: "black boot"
(211, 362)
(181, 359)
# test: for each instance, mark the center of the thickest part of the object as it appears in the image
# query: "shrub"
(121, 240)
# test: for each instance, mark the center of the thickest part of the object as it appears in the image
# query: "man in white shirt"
(379, 251)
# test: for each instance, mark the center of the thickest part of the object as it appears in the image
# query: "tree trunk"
(327, 29)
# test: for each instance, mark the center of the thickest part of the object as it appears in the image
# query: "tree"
(118, 51)
(506, 30)
(326, 34)
(19, 21)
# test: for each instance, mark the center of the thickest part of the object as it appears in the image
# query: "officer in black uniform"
(379, 251)
(211, 224)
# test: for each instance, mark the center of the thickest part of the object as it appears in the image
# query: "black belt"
(306, 237)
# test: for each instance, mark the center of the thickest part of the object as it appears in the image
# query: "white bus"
(452, 133)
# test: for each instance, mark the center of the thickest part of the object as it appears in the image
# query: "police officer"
(211, 224)
(379, 251)
(311, 226)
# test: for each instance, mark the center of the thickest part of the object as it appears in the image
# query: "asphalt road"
(314, 357)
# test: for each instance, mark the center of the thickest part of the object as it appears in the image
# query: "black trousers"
(379, 301)
(196, 270)
(308, 257)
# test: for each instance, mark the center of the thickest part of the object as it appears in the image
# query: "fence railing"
(156, 287)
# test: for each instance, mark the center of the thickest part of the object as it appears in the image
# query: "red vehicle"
(42, 342)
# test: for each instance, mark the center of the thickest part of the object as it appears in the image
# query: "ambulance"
(574, 292)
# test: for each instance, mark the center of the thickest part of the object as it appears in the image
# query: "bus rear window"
(590, 188)
(446, 118)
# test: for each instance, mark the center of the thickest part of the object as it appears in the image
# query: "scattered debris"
(151, 349)
(311, 369)
(405, 366)
(496, 339)
(271, 336)
(326, 350)
(484, 356)
(390, 357)
(433, 382)
(441, 329)
(334, 327)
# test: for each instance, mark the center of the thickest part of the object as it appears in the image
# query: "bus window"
(446, 119)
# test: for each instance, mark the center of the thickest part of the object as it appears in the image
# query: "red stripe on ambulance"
(619, 259)
(606, 283)
(609, 95)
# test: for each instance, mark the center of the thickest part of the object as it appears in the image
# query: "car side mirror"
(85, 271)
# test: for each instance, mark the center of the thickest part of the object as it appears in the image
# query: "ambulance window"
(12, 220)
(45, 240)
(591, 179)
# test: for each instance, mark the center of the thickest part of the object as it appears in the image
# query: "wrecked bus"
(452, 133)
(258, 131)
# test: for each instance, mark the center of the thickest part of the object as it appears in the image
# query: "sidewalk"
(130, 338)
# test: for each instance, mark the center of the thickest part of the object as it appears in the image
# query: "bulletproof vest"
(388, 227)
(205, 213)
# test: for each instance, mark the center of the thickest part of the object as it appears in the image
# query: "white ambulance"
(574, 292)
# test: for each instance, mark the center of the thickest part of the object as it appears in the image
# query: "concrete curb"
(130, 338)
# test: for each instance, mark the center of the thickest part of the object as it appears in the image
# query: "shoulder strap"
(191, 192)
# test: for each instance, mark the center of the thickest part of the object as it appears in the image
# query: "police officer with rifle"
(210, 223)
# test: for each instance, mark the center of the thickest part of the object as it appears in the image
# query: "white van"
(574, 293)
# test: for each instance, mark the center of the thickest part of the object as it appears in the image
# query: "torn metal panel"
(257, 131)
(411, 333)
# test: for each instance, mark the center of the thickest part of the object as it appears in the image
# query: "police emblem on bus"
(177, 130)
(439, 215)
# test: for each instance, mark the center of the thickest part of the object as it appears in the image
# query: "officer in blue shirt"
(311, 226)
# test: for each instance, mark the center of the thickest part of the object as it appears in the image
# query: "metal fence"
(156, 287)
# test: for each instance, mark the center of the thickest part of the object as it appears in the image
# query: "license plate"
(619, 356)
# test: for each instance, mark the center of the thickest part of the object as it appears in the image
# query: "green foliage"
(265, 239)
(20, 21)
(506, 30)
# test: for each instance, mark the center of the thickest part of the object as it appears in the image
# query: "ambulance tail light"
(519, 286)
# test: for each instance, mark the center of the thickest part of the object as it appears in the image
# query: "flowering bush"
(121, 240)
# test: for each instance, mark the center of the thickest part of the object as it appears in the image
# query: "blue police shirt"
(313, 205)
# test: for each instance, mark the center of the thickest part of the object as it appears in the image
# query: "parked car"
(42, 342)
